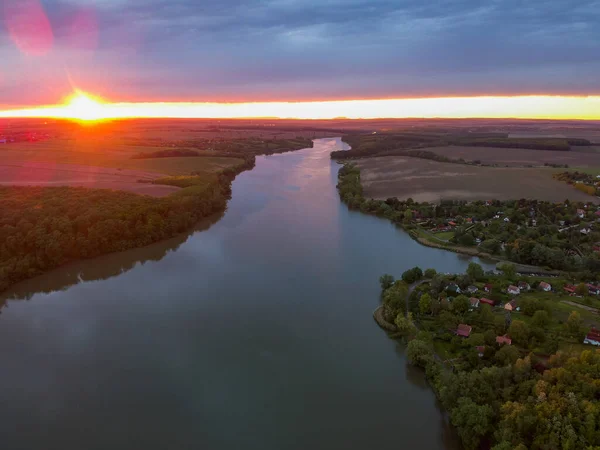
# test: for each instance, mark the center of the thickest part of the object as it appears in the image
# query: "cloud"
(306, 49)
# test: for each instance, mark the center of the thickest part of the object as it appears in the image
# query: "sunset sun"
(84, 107)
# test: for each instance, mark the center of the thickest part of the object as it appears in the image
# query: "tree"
(386, 281)
(540, 319)
(395, 297)
(508, 270)
(430, 273)
(507, 355)
(412, 275)
(486, 316)
(489, 337)
(472, 421)
(582, 289)
(476, 339)
(574, 323)
(460, 305)
(475, 271)
(519, 332)
(425, 304)
(405, 325)
(419, 353)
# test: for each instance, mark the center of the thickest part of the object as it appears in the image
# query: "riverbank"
(509, 355)
(483, 230)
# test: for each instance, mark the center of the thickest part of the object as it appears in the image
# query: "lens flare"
(83, 106)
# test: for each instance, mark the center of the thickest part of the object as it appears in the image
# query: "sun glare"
(82, 106)
(85, 107)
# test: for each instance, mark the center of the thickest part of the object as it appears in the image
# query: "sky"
(295, 50)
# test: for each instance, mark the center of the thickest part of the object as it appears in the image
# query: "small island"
(514, 359)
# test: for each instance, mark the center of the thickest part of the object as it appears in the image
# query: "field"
(431, 181)
(581, 157)
(106, 155)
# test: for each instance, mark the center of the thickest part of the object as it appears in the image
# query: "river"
(254, 331)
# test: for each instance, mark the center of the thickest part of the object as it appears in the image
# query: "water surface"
(254, 332)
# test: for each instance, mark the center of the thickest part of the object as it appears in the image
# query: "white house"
(506, 219)
(545, 286)
(580, 213)
(513, 290)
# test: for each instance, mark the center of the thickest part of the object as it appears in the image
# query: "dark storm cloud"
(305, 49)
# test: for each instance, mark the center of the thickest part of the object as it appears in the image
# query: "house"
(561, 223)
(452, 224)
(533, 222)
(502, 340)
(453, 287)
(472, 289)
(523, 286)
(487, 301)
(569, 288)
(546, 287)
(585, 231)
(597, 213)
(463, 330)
(487, 288)
(593, 290)
(580, 213)
(597, 248)
(506, 219)
(480, 350)
(511, 306)
(593, 337)
(513, 290)
(474, 302)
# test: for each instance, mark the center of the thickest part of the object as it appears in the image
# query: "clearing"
(431, 181)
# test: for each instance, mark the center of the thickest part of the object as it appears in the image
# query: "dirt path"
(50, 174)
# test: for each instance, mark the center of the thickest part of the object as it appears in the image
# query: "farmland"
(431, 181)
(517, 157)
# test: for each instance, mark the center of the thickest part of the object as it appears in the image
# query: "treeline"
(531, 144)
(386, 144)
(581, 181)
(42, 228)
(174, 153)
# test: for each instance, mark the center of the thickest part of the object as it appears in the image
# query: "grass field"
(430, 181)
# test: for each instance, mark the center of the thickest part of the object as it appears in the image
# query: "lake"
(254, 331)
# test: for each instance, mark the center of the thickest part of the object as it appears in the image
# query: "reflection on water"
(100, 268)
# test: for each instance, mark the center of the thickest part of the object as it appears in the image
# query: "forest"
(42, 228)
(532, 393)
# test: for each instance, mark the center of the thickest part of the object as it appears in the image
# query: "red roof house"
(593, 337)
(488, 287)
(463, 330)
(511, 306)
(569, 288)
(488, 301)
(502, 340)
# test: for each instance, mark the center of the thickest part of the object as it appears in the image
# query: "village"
(477, 313)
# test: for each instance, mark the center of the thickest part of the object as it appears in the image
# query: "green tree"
(508, 270)
(472, 421)
(486, 316)
(395, 297)
(476, 339)
(405, 325)
(386, 281)
(540, 319)
(419, 353)
(519, 332)
(574, 323)
(475, 271)
(460, 305)
(490, 337)
(430, 273)
(425, 304)
(412, 275)
(507, 355)
(582, 289)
